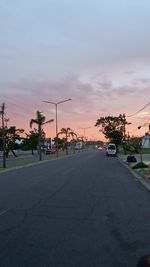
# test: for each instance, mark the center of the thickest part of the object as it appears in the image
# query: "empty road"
(84, 210)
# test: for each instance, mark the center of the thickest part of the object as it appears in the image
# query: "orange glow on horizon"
(93, 133)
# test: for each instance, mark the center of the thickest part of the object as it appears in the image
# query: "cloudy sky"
(96, 52)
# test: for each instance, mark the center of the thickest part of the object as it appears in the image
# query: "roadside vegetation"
(35, 141)
(13, 140)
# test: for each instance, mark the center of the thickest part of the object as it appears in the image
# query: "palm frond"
(60, 133)
(49, 121)
(65, 130)
(72, 133)
(33, 121)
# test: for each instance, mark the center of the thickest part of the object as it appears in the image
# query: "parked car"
(111, 150)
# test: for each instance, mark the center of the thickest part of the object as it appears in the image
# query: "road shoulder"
(141, 178)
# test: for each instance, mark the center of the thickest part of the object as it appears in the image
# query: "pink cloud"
(89, 100)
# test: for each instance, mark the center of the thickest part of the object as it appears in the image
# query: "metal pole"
(3, 137)
(40, 152)
(84, 133)
(124, 125)
(56, 132)
(56, 104)
(85, 128)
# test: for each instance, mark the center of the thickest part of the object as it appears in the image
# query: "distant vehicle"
(100, 148)
(79, 145)
(111, 150)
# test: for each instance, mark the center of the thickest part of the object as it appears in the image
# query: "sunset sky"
(96, 52)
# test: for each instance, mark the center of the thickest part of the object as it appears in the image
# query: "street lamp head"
(56, 103)
(49, 102)
(64, 101)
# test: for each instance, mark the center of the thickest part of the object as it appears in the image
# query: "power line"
(147, 121)
(138, 111)
(142, 121)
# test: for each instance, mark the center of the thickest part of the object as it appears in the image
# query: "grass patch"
(144, 171)
(145, 151)
(23, 164)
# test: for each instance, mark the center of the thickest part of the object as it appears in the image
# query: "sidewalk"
(145, 157)
(142, 174)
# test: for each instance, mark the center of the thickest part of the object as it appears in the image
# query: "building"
(146, 141)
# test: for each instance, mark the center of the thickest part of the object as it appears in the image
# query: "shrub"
(140, 165)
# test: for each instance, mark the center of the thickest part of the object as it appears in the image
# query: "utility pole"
(56, 108)
(124, 126)
(6, 121)
(84, 129)
(2, 112)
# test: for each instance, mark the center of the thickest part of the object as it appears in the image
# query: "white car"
(111, 150)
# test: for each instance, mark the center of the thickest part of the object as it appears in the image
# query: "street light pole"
(56, 131)
(2, 112)
(85, 128)
(56, 111)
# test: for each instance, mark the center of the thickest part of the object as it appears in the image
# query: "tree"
(2, 114)
(40, 120)
(59, 142)
(116, 137)
(12, 134)
(133, 145)
(66, 132)
(31, 140)
(113, 128)
(73, 141)
(73, 134)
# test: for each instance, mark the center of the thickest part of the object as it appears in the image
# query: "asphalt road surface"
(85, 210)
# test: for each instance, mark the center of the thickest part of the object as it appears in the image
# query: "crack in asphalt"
(17, 224)
(26, 210)
(112, 223)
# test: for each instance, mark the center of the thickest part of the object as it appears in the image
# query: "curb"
(141, 178)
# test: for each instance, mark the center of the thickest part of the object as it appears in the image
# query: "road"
(86, 210)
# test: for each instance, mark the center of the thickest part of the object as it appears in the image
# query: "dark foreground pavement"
(85, 210)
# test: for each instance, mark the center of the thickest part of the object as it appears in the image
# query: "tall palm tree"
(66, 132)
(40, 120)
(73, 134)
(73, 143)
